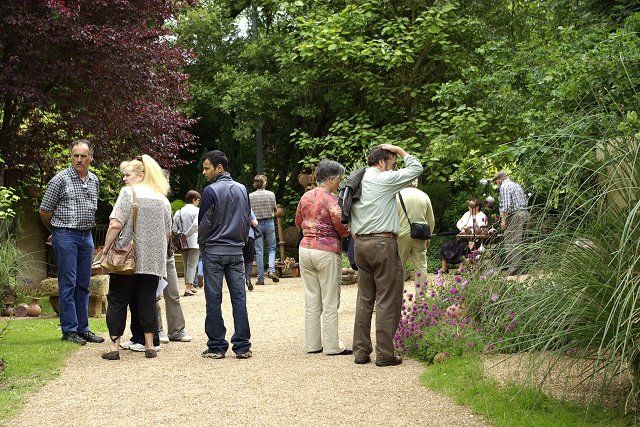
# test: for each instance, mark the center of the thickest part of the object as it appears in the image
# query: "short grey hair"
(327, 169)
(80, 142)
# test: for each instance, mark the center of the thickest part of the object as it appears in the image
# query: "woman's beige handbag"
(123, 261)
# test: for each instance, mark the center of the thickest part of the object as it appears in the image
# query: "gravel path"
(280, 385)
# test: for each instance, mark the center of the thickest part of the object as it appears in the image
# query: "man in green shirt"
(375, 226)
(419, 210)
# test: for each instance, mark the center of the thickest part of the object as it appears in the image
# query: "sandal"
(188, 293)
(111, 355)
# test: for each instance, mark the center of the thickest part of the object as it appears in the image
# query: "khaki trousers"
(320, 271)
(171, 294)
(380, 283)
(417, 250)
(513, 239)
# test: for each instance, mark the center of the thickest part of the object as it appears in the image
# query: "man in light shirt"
(263, 205)
(419, 210)
(513, 218)
(375, 226)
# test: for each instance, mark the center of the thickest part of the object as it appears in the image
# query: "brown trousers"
(380, 282)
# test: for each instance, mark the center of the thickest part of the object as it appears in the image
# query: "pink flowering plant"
(466, 313)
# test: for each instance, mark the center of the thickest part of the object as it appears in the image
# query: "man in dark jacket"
(223, 227)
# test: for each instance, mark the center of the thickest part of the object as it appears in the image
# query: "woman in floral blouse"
(318, 214)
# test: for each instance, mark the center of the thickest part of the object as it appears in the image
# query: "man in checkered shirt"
(513, 217)
(68, 209)
(263, 204)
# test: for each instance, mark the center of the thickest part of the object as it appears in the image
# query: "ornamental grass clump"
(585, 243)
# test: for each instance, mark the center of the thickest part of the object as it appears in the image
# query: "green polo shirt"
(375, 211)
(418, 207)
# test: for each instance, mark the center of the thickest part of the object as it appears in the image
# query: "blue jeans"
(231, 267)
(268, 231)
(74, 255)
(199, 269)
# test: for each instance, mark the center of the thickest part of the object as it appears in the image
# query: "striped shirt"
(512, 197)
(263, 203)
(72, 201)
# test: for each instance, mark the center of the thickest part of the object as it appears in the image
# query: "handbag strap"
(180, 220)
(404, 208)
(135, 212)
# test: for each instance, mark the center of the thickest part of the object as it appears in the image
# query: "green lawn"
(33, 353)
(463, 381)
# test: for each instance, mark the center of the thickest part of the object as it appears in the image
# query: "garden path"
(280, 385)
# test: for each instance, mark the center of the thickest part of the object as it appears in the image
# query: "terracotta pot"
(7, 311)
(21, 310)
(34, 308)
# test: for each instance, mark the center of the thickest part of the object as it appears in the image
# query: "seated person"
(453, 251)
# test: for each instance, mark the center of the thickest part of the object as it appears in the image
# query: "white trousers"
(320, 271)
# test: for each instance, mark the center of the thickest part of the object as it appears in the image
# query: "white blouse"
(467, 220)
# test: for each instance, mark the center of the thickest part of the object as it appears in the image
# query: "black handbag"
(419, 230)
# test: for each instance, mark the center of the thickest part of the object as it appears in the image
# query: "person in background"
(513, 219)
(68, 209)
(145, 186)
(419, 209)
(248, 252)
(263, 204)
(185, 221)
(453, 251)
(318, 214)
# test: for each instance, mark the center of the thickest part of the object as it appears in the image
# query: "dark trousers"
(380, 283)
(137, 290)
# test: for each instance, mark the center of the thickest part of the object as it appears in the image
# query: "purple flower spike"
(458, 278)
(418, 274)
(418, 284)
(404, 291)
(454, 290)
(494, 297)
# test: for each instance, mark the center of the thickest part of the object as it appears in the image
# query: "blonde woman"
(144, 177)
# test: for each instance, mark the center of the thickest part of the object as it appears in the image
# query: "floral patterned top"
(318, 214)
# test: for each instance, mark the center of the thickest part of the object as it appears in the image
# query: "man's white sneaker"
(126, 345)
(184, 338)
(164, 338)
(140, 347)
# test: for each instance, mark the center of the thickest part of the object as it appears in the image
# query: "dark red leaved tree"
(102, 69)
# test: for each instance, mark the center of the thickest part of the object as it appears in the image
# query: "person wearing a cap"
(513, 217)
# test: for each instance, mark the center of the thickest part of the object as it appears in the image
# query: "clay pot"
(34, 308)
(21, 310)
(7, 311)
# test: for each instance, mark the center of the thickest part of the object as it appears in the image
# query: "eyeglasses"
(85, 187)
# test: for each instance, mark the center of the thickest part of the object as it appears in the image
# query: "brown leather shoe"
(393, 362)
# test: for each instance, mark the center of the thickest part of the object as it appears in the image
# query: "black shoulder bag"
(419, 230)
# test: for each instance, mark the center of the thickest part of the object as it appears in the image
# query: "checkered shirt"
(263, 203)
(73, 202)
(512, 197)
